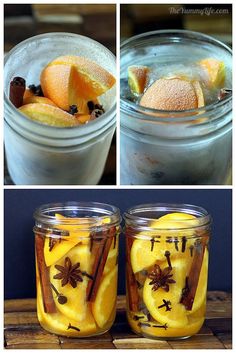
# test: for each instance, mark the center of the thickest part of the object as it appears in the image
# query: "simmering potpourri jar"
(176, 102)
(166, 269)
(60, 109)
(76, 247)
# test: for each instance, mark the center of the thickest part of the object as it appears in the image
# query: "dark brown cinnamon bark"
(192, 280)
(17, 90)
(100, 249)
(132, 287)
(47, 297)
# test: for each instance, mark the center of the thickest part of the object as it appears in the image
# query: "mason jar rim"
(109, 213)
(150, 114)
(140, 223)
(83, 129)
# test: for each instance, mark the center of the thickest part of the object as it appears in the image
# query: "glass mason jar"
(165, 147)
(76, 247)
(42, 154)
(166, 269)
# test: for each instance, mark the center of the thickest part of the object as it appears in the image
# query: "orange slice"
(177, 316)
(200, 295)
(48, 115)
(173, 94)
(70, 80)
(215, 70)
(111, 260)
(189, 330)
(106, 298)
(137, 78)
(59, 323)
(76, 306)
(59, 249)
(145, 254)
(59, 84)
(37, 99)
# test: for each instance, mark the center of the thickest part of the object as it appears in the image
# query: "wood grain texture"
(22, 330)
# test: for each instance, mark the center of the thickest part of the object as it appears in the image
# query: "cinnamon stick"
(190, 289)
(132, 287)
(17, 90)
(47, 297)
(100, 249)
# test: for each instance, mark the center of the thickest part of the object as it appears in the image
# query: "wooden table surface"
(23, 331)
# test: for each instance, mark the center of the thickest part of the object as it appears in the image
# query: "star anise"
(161, 278)
(68, 273)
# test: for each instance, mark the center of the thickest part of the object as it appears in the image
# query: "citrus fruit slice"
(60, 324)
(48, 115)
(175, 317)
(75, 226)
(37, 99)
(172, 94)
(76, 305)
(79, 80)
(62, 245)
(106, 298)
(145, 253)
(137, 78)
(177, 221)
(200, 295)
(189, 330)
(134, 319)
(53, 253)
(111, 260)
(215, 70)
(177, 224)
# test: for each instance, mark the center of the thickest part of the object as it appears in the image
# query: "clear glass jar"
(166, 269)
(164, 147)
(76, 247)
(41, 154)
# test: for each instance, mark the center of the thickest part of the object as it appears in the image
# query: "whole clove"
(73, 109)
(36, 90)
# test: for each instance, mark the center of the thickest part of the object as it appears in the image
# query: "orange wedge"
(137, 78)
(70, 80)
(76, 306)
(48, 115)
(59, 323)
(106, 298)
(177, 316)
(37, 99)
(173, 94)
(215, 70)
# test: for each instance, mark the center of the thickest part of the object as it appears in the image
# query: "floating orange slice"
(173, 94)
(215, 70)
(137, 78)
